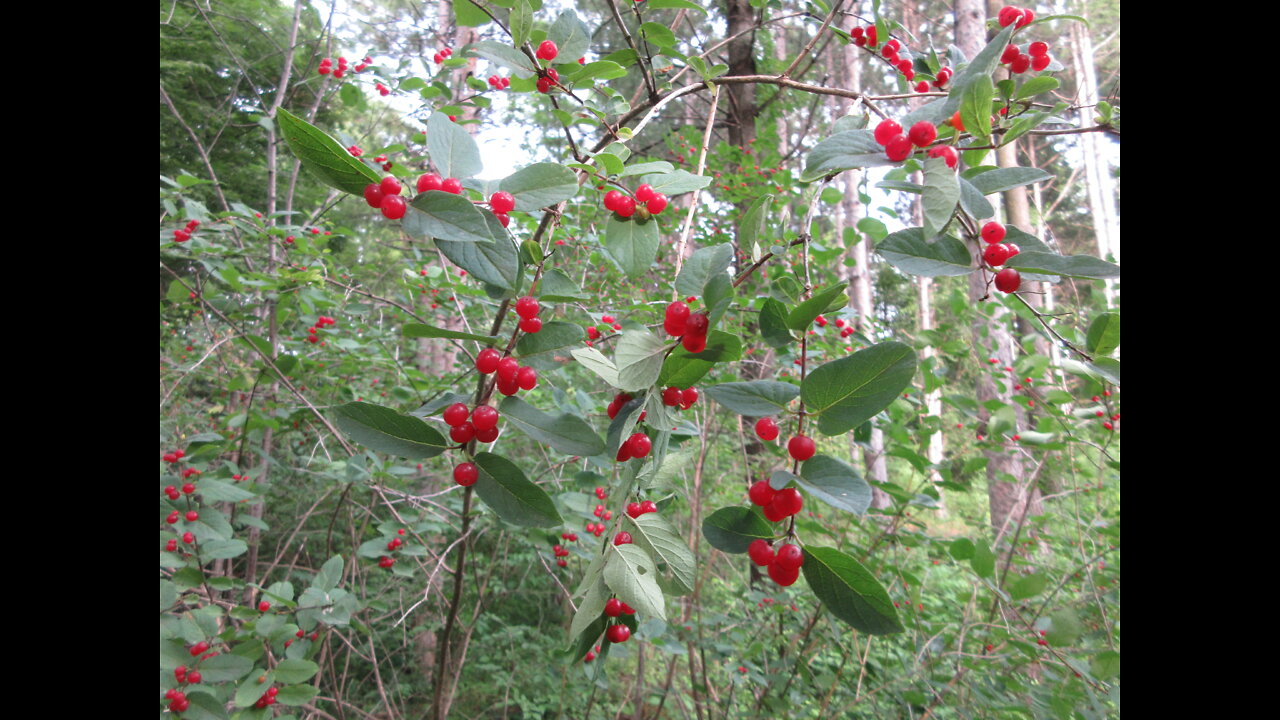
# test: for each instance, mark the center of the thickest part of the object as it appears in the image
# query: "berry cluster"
(547, 79)
(561, 553)
(618, 401)
(322, 322)
(777, 504)
(178, 701)
(784, 565)
(1036, 58)
(442, 55)
(689, 326)
(482, 426)
(386, 197)
(637, 446)
(326, 66)
(499, 83)
(175, 456)
(268, 698)
(596, 529)
(593, 331)
(998, 253)
(384, 91)
(899, 146)
(674, 396)
(636, 509)
(184, 234)
(386, 562)
(512, 378)
(432, 181)
(528, 308)
(618, 633)
(893, 53)
(1010, 15)
(646, 203)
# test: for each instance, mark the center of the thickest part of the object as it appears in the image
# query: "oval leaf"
(756, 398)
(908, 251)
(506, 490)
(631, 574)
(849, 391)
(452, 148)
(323, 156)
(631, 244)
(733, 528)
(385, 430)
(1104, 334)
(565, 433)
(850, 591)
(446, 216)
(835, 483)
(540, 185)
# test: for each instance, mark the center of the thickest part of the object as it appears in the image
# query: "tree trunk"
(1099, 183)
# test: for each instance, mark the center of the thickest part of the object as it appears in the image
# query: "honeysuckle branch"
(813, 40)
(644, 70)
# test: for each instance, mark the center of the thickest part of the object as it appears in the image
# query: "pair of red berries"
(547, 79)
(443, 55)
(636, 509)
(784, 565)
(268, 698)
(636, 447)
(385, 562)
(596, 529)
(432, 181)
(482, 426)
(499, 83)
(646, 198)
(898, 146)
(528, 309)
(184, 234)
(674, 396)
(616, 404)
(175, 456)
(178, 701)
(1010, 15)
(512, 378)
(777, 504)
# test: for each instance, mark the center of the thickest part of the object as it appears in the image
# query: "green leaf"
(496, 263)
(961, 548)
(983, 561)
(639, 359)
(850, 591)
(757, 398)
(503, 55)
(844, 151)
(591, 607)
(385, 430)
(225, 667)
(250, 690)
(701, 266)
(420, 330)
(656, 536)
(468, 14)
(1081, 266)
(330, 574)
(908, 251)
(553, 336)
(658, 34)
(631, 244)
(600, 69)
(1064, 628)
(293, 695)
(452, 148)
(1106, 664)
(1104, 334)
(557, 287)
(596, 362)
(506, 490)
(631, 574)
(773, 324)
(732, 529)
(446, 216)
(751, 229)
(204, 706)
(975, 107)
(1028, 586)
(324, 157)
(1035, 86)
(520, 22)
(835, 483)
(223, 549)
(718, 296)
(721, 347)
(982, 65)
(678, 182)
(972, 201)
(295, 670)
(540, 185)
(571, 36)
(847, 392)
(831, 298)
(217, 491)
(941, 193)
(565, 433)
(1001, 179)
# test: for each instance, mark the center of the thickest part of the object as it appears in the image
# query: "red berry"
(199, 648)
(1038, 48)
(633, 510)
(801, 447)
(899, 148)
(657, 204)
(456, 414)
(1008, 280)
(531, 325)
(922, 133)
(188, 538)
(451, 185)
(676, 318)
(694, 343)
(173, 518)
(611, 199)
(1009, 55)
(688, 398)
(484, 417)
(622, 538)
(625, 206)
(527, 307)
(264, 606)
(783, 576)
(887, 130)
(672, 396)
(649, 506)
(638, 445)
(1008, 15)
(502, 202)
(466, 474)
(487, 436)
(373, 195)
(996, 254)
(1028, 16)
(613, 608)
(194, 677)
(527, 377)
(947, 153)
(767, 429)
(507, 369)
(192, 516)
(1020, 64)
(394, 207)
(547, 50)
(698, 324)
(1040, 62)
(463, 433)
(922, 86)
(760, 552)
(618, 633)
(993, 232)
(645, 193)
(430, 181)
(761, 493)
(487, 361)
(790, 557)
(788, 502)
(390, 186)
